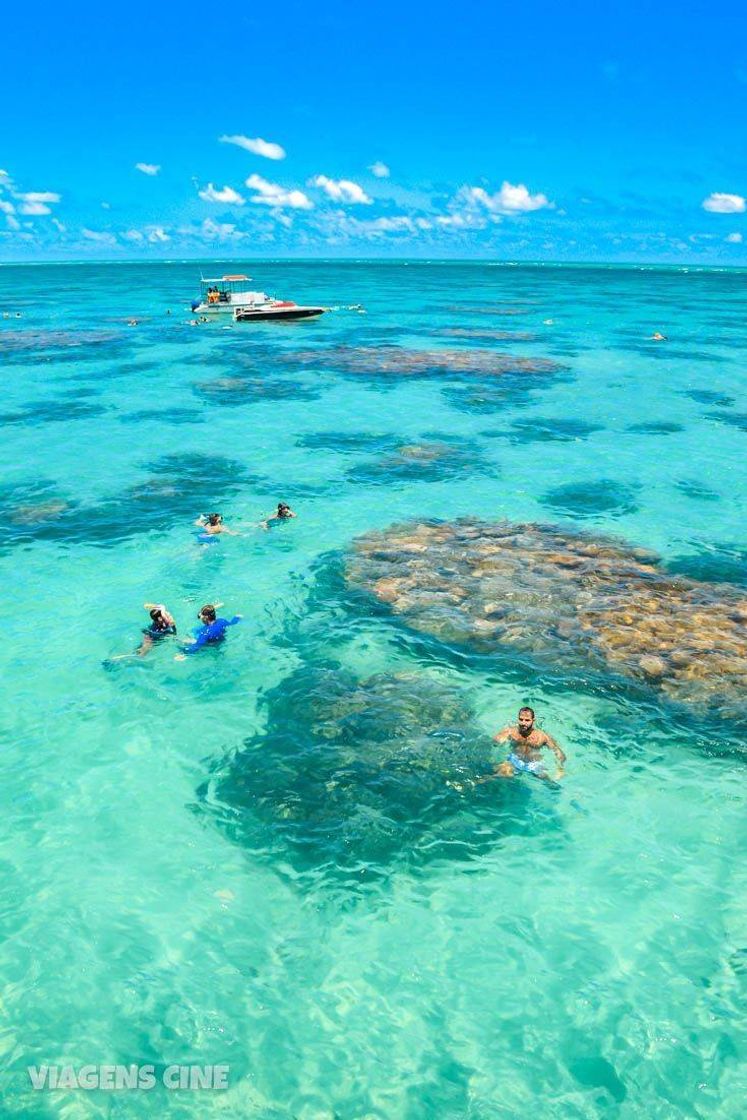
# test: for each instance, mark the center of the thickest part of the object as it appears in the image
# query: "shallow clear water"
(177, 884)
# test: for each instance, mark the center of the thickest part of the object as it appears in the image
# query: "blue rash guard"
(210, 632)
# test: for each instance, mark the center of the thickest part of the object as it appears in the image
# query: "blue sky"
(533, 131)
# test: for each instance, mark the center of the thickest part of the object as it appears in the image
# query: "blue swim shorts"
(537, 768)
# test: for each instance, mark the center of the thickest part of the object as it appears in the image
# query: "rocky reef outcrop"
(397, 361)
(571, 599)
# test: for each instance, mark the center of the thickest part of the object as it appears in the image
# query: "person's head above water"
(156, 614)
(526, 721)
(207, 613)
(214, 519)
(283, 509)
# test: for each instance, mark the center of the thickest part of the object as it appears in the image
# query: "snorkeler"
(657, 336)
(283, 513)
(527, 743)
(210, 631)
(162, 625)
(212, 526)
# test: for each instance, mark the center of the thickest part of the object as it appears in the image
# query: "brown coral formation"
(487, 335)
(400, 362)
(569, 598)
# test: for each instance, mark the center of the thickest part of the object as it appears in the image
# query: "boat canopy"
(225, 283)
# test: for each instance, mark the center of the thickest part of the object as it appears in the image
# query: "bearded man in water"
(527, 743)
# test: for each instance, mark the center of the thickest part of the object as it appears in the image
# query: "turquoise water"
(188, 877)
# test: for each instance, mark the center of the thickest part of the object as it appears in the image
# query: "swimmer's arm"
(503, 736)
(201, 520)
(161, 607)
(558, 752)
(233, 621)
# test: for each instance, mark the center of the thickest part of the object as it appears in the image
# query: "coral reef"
(569, 598)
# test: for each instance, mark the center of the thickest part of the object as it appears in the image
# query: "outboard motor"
(195, 304)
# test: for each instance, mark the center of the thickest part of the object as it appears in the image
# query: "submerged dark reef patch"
(430, 460)
(709, 396)
(53, 410)
(347, 442)
(164, 416)
(486, 334)
(694, 489)
(733, 419)
(540, 429)
(234, 391)
(396, 361)
(176, 490)
(570, 600)
(352, 772)
(724, 563)
(484, 399)
(592, 498)
(655, 428)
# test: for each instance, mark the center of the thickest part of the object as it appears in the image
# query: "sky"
(533, 131)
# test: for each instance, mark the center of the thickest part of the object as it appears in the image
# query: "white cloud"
(36, 203)
(148, 168)
(719, 203)
(380, 170)
(7, 207)
(157, 234)
(133, 235)
(508, 200)
(218, 231)
(258, 146)
(341, 190)
(734, 238)
(99, 236)
(4, 176)
(227, 195)
(60, 227)
(39, 196)
(106, 205)
(461, 221)
(13, 223)
(273, 195)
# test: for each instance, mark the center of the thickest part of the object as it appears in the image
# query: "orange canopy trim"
(235, 277)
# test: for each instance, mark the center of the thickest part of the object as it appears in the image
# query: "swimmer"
(283, 513)
(212, 525)
(527, 743)
(210, 631)
(162, 625)
(657, 336)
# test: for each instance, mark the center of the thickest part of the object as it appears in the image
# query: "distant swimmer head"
(283, 509)
(214, 519)
(526, 720)
(207, 613)
(156, 614)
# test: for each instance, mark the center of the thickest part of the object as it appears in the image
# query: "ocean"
(273, 855)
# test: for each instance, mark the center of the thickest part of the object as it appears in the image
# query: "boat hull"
(245, 315)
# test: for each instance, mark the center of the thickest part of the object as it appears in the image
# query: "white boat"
(233, 294)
